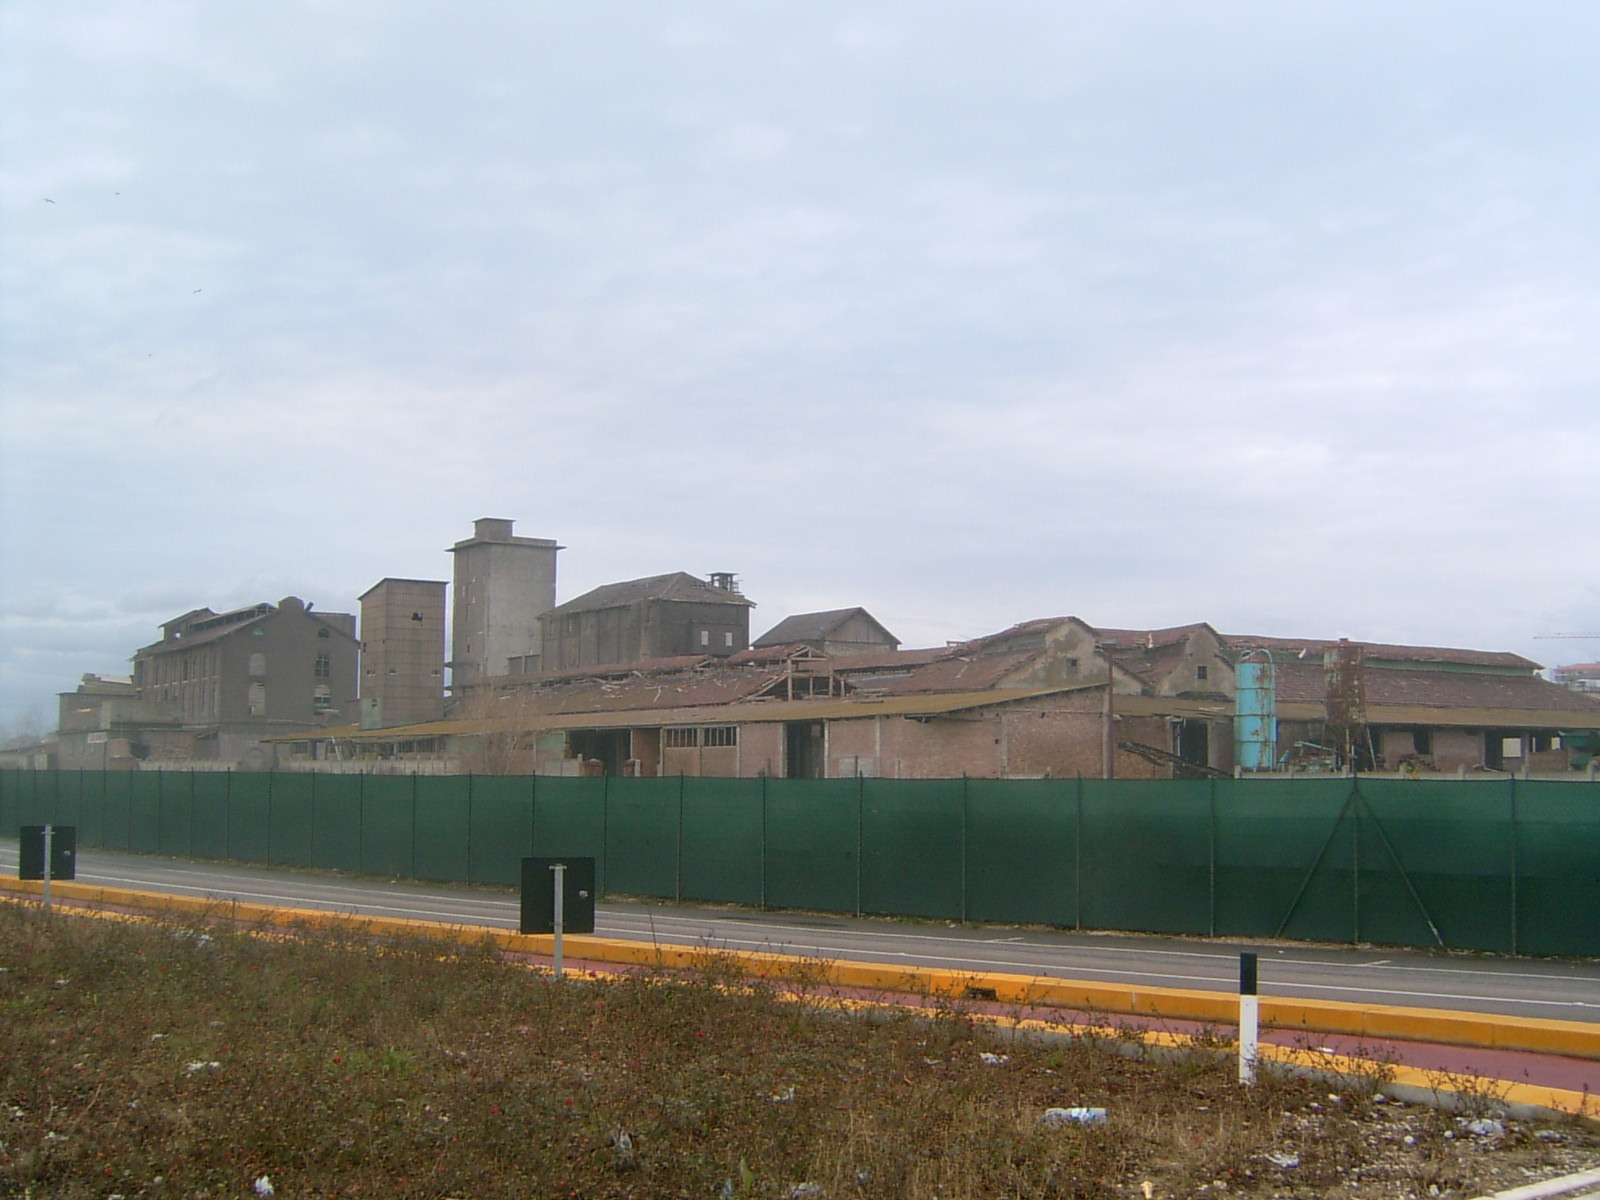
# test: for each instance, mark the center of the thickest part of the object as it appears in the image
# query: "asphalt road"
(1560, 989)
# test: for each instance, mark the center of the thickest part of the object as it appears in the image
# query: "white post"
(560, 871)
(49, 834)
(1249, 1018)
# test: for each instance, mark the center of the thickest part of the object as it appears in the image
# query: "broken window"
(258, 664)
(256, 699)
(679, 738)
(321, 699)
(721, 735)
(323, 669)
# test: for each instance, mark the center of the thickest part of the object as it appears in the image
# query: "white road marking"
(472, 911)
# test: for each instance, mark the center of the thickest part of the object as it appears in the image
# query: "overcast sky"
(1284, 317)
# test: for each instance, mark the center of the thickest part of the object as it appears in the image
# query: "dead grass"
(193, 1059)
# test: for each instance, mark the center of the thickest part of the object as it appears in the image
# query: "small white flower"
(994, 1060)
(201, 1065)
(263, 1186)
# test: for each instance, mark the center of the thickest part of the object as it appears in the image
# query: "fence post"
(1355, 862)
(1077, 861)
(860, 811)
(1515, 914)
(1211, 865)
(533, 814)
(361, 822)
(964, 819)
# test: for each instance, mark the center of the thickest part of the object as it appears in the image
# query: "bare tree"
(502, 738)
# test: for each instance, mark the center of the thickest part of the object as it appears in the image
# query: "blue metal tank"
(1255, 712)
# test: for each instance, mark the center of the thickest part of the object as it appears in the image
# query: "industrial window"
(1072, 666)
(321, 699)
(721, 735)
(322, 633)
(1202, 672)
(323, 668)
(258, 664)
(705, 637)
(257, 699)
(727, 639)
(679, 738)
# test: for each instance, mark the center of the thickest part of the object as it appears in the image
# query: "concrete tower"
(402, 652)
(503, 585)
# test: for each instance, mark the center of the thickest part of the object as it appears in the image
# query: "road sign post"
(48, 852)
(558, 898)
(1249, 1018)
(559, 902)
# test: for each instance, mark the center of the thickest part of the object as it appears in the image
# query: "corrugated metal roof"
(679, 586)
(760, 712)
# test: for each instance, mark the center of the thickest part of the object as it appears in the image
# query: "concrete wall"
(402, 657)
(503, 585)
(645, 629)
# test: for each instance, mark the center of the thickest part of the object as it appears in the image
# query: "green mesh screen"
(176, 812)
(1022, 851)
(336, 821)
(1558, 861)
(443, 816)
(211, 814)
(1269, 834)
(143, 828)
(500, 833)
(90, 817)
(812, 844)
(722, 841)
(913, 835)
(291, 819)
(1146, 855)
(1436, 864)
(388, 824)
(1488, 865)
(249, 817)
(569, 818)
(641, 821)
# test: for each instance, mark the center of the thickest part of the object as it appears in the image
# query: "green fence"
(1504, 865)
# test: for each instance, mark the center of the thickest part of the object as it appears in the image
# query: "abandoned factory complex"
(660, 676)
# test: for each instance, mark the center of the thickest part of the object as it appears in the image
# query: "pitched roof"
(678, 586)
(1306, 647)
(1307, 682)
(810, 627)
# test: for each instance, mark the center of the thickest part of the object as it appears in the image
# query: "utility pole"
(1109, 748)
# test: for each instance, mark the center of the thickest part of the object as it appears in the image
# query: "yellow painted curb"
(1577, 1039)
